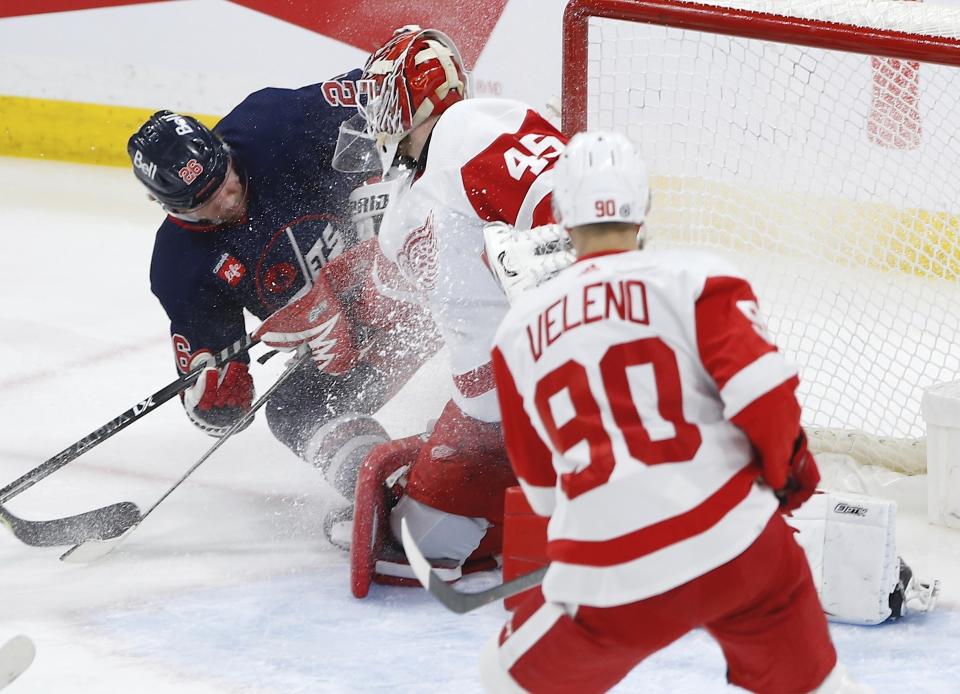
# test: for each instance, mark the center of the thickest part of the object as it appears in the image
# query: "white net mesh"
(831, 178)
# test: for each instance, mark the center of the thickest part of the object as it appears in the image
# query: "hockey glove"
(220, 396)
(318, 320)
(802, 477)
(523, 259)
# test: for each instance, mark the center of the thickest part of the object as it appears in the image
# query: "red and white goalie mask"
(417, 74)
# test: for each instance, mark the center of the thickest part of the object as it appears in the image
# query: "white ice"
(230, 586)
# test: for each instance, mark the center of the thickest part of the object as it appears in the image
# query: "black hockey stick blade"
(15, 657)
(85, 551)
(453, 599)
(98, 524)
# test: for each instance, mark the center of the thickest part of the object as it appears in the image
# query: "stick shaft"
(120, 422)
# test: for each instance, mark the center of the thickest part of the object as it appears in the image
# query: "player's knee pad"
(339, 447)
(850, 544)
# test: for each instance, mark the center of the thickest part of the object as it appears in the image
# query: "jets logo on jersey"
(418, 257)
(347, 92)
(229, 269)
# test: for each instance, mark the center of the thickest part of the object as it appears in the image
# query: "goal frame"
(732, 22)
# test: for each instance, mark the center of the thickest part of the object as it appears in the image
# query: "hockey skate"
(912, 595)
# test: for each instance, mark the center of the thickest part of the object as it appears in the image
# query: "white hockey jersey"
(618, 381)
(487, 160)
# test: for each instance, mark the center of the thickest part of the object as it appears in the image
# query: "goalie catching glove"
(521, 259)
(219, 397)
(318, 320)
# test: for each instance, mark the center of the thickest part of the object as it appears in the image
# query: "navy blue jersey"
(297, 219)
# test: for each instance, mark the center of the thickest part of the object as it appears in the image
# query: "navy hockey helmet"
(180, 161)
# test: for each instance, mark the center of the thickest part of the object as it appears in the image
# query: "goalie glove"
(219, 397)
(318, 320)
(523, 259)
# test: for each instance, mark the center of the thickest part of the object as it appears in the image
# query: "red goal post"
(861, 212)
(735, 21)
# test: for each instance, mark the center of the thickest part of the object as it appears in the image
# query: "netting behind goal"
(820, 152)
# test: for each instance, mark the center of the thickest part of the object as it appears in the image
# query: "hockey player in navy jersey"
(258, 219)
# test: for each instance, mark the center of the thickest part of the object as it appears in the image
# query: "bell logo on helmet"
(183, 127)
(148, 168)
(190, 171)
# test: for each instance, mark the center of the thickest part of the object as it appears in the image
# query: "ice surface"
(229, 586)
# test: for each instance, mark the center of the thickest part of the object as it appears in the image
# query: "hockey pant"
(761, 607)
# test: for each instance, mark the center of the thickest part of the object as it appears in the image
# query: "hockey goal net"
(816, 143)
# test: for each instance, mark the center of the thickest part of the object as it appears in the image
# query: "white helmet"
(600, 177)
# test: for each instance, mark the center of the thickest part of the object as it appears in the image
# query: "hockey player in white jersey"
(646, 411)
(464, 163)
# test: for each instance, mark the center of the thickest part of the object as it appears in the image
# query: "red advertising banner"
(362, 23)
(367, 24)
(16, 8)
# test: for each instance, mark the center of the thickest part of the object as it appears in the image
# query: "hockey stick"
(15, 657)
(93, 549)
(452, 599)
(109, 521)
(122, 421)
(98, 524)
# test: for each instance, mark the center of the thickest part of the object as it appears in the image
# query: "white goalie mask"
(600, 177)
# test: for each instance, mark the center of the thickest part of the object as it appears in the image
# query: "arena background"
(78, 76)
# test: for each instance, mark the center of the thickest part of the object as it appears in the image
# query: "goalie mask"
(599, 178)
(417, 74)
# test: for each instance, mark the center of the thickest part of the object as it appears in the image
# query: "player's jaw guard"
(179, 160)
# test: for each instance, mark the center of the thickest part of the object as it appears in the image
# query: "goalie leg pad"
(850, 544)
(462, 468)
(375, 555)
(371, 508)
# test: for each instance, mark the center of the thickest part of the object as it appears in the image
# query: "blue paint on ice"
(305, 633)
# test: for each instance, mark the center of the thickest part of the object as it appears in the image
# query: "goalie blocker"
(849, 541)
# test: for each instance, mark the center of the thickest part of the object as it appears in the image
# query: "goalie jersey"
(486, 160)
(618, 380)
